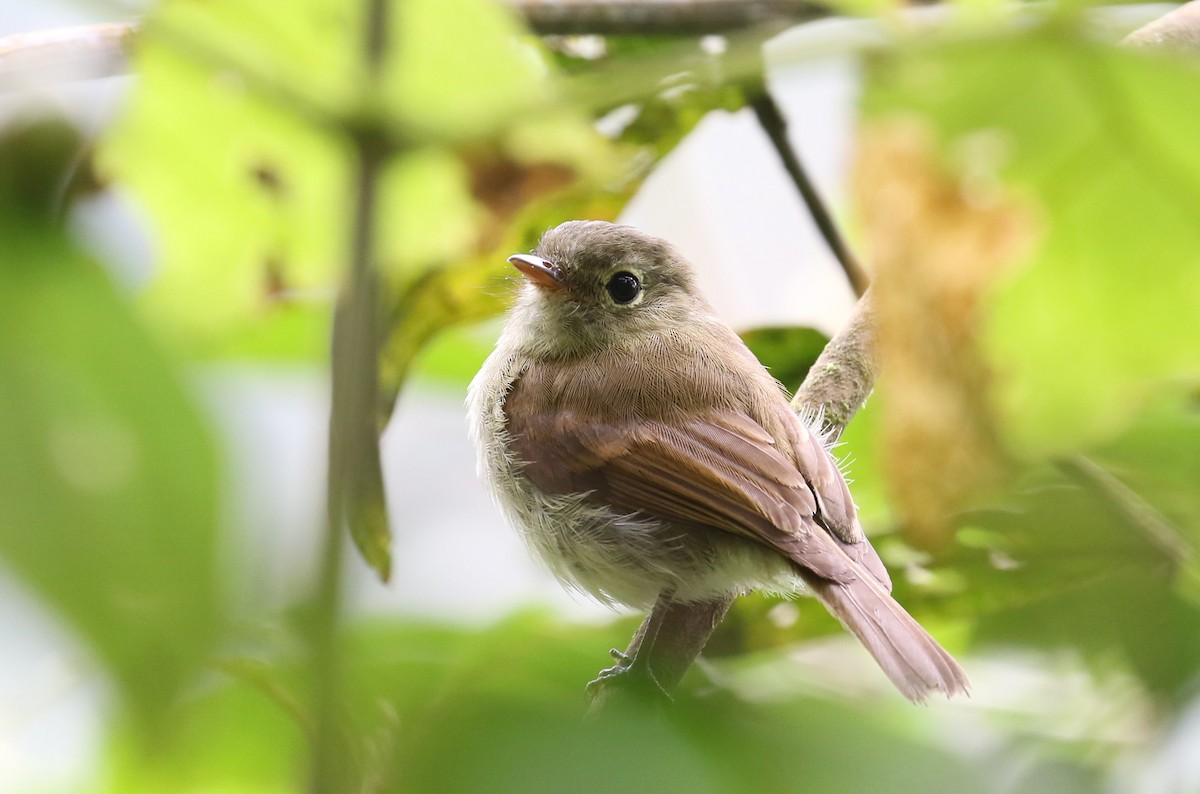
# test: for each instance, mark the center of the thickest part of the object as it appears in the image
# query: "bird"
(644, 453)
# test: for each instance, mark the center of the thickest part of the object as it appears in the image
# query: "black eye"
(623, 287)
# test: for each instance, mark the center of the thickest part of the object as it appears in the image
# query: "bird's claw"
(630, 675)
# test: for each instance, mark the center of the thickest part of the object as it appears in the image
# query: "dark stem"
(658, 17)
(774, 124)
(375, 37)
(94, 51)
(353, 437)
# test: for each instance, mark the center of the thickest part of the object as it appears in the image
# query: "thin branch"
(658, 17)
(773, 123)
(94, 51)
(843, 376)
(84, 52)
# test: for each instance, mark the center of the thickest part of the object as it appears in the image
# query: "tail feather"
(910, 657)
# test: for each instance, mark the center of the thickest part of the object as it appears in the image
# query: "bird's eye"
(624, 287)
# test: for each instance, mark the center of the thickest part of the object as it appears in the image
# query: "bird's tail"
(912, 659)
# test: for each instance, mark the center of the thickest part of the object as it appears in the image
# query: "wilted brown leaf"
(504, 185)
(938, 241)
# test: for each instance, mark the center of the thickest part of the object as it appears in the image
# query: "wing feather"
(721, 469)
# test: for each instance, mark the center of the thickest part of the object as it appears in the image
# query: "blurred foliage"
(1039, 309)
(787, 352)
(1099, 145)
(438, 709)
(1038, 492)
(108, 499)
(235, 143)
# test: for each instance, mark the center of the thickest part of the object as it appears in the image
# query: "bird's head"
(593, 285)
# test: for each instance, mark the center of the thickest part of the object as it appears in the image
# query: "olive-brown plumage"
(641, 449)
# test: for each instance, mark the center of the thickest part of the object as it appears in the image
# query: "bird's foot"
(629, 674)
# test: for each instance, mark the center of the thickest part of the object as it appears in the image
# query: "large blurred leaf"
(1098, 554)
(1101, 143)
(513, 695)
(433, 708)
(459, 69)
(1058, 567)
(236, 137)
(246, 200)
(235, 737)
(108, 503)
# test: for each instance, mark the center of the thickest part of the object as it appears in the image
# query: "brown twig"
(93, 51)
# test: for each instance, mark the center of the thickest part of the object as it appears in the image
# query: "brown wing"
(837, 510)
(720, 469)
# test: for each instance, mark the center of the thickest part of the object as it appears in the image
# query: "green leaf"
(417, 695)
(787, 352)
(1058, 565)
(514, 694)
(859, 447)
(1101, 143)
(241, 735)
(108, 503)
(235, 144)
(458, 68)
(247, 201)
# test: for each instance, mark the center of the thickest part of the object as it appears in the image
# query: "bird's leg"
(633, 666)
(665, 645)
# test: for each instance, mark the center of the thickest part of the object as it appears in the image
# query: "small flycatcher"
(643, 451)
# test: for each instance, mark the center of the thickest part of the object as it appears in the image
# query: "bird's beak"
(540, 271)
